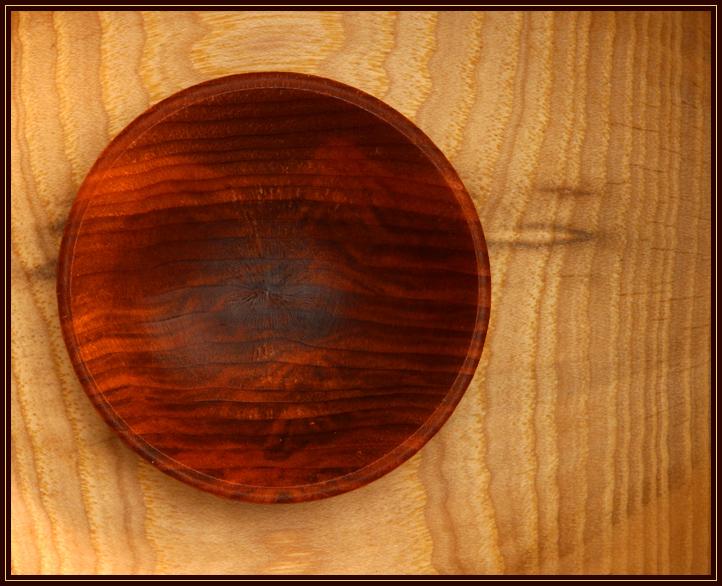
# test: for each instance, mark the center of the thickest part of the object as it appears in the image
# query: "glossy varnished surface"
(274, 287)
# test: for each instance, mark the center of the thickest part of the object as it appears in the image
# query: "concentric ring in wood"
(274, 287)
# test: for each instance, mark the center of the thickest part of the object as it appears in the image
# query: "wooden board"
(582, 444)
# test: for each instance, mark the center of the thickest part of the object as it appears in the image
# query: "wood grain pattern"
(274, 287)
(582, 444)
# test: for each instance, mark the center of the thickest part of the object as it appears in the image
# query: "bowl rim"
(274, 80)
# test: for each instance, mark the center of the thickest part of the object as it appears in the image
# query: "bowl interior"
(272, 288)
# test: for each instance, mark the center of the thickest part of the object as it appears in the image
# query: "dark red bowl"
(274, 287)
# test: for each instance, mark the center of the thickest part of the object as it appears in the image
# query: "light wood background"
(582, 444)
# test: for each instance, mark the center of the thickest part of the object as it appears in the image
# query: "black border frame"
(82, 6)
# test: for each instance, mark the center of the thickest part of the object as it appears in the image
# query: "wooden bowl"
(274, 287)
